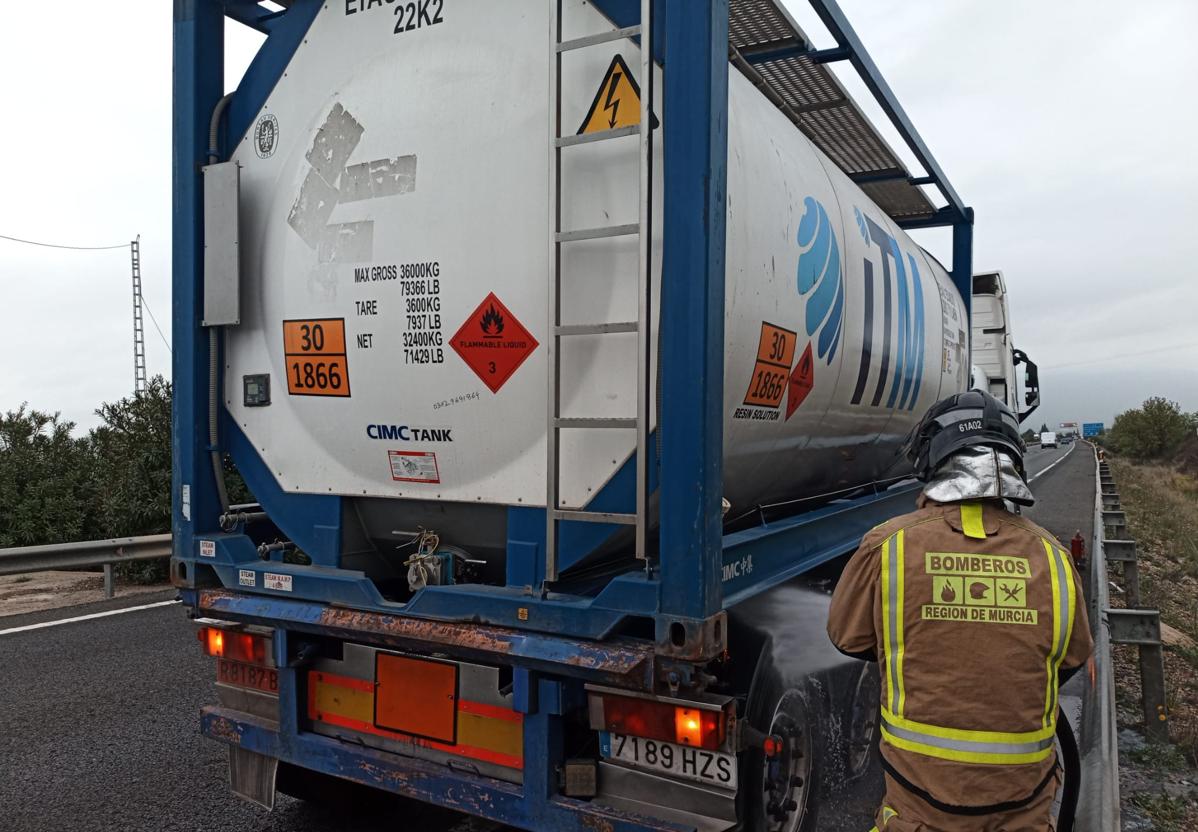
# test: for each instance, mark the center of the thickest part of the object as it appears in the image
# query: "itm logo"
(820, 279)
(491, 323)
(902, 329)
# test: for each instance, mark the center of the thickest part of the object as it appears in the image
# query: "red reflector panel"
(265, 679)
(417, 697)
(664, 721)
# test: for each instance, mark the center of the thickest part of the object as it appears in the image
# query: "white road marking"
(1041, 473)
(122, 611)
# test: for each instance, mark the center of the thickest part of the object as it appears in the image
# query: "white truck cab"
(995, 358)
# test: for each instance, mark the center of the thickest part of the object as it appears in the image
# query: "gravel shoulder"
(22, 594)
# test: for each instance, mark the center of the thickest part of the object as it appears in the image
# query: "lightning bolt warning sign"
(617, 103)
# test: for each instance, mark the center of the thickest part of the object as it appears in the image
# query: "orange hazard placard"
(493, 343)
(315, 357)
(775, 351)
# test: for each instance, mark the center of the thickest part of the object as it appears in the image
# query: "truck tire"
(822, 704)
(777, 794)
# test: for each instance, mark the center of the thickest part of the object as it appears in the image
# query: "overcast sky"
(1069, 126)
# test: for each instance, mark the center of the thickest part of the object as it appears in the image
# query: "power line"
(56, 245)
(1122, 356)
(154, 321)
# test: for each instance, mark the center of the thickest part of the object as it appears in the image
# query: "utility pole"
(139, 339)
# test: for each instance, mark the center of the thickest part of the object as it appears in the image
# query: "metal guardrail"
(1098, 806)
(88, 553)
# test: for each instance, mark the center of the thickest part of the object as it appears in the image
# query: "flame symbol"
(947, 593)
(492, 322)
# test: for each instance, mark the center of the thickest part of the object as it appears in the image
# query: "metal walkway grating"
(764, 45)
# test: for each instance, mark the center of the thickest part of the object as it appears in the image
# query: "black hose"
(1072, 763)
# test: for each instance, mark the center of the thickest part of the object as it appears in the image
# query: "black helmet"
(961, 420)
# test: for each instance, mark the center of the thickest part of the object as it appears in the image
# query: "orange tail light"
(233, 645)
(690, 724)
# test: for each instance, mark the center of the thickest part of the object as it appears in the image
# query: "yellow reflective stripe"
(1064, 604)
(971, 521)
(1010, 737)
(892, 619)
(1049, 664)
(902, 608)
(959, 756)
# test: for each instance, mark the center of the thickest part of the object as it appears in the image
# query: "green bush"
(114, 482)
(1154, 430)
(45, 480)
(132, 472)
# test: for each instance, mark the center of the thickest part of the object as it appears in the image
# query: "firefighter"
(975, 616)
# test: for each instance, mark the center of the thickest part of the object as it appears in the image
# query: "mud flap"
(252, 776)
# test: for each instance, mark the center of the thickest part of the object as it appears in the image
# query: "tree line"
(1156, 430)
(115, 481)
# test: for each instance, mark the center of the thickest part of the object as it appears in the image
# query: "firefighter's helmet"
(959, 421)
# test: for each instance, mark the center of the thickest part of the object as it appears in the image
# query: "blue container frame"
(701, 571)
(689, 584)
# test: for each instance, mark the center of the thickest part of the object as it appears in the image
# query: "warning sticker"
(979, 588)
(802, 379)
(493, 343)
(315, 353)
(775, 352)
(617, 103)
(271, 580)
(414, 466)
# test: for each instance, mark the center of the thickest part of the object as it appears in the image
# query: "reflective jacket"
(972, 613)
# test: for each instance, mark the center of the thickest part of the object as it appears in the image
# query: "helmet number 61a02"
(972, 424)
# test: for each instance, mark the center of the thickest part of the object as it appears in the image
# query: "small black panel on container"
(256, 389)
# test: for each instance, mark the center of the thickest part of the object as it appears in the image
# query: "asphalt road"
(1064, 492)
(99, 730)
(99, 718)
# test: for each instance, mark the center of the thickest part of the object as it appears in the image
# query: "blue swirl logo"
(820, 279)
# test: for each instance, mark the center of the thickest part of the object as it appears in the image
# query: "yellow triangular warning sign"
(618, 102)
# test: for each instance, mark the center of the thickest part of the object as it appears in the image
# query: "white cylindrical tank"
(395, 241)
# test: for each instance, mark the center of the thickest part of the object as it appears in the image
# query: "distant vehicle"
(1048, 439)
(995, 358)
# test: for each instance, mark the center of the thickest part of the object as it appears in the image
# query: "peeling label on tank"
(332, 181)
(335, 142)
(414, 466)
(348, 242)
(380, 178)
(312, 209)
